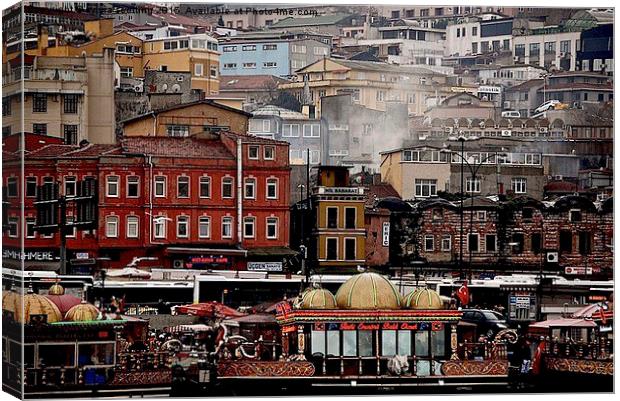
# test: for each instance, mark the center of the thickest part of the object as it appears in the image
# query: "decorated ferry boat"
(366, 335)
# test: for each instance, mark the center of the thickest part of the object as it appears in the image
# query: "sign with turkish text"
(265, 266)
(577, 270)
(386, 234)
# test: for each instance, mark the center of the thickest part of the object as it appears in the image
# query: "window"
(160, 186)
(565, 46)
(13, 227)
(38, 128)
(228, 66)
(159, 227)
(350, 216)
(474, 47)
(272, 188)
(213, 71)
(112, 182)
(228, 49)
(349, 343)
(312, 130)
(472, 242)
(566, 241)
(380, 96)
(248, 48)
(315, 156)
(253, 152)
(6, 106)
(549, 47)
(585, 242)
(317, 339)
(39, 103)
(425, 188)
(527, 213)
(270, 64)
(446, 243)
(31, 187)
(536, 239)
(204, 227)
(429, 243)
(535, 50)
(332, 248)
(574, 215)
(183, 187)
(272, 228)
(111, 226)
(518, 243)
(70, 103)
(249, 188)
(227, 227)
(269, 152)
(70, 133)
(30, 231)
(182, 227)
(472, 185)
(474, 31)
(301, 49)
(198, 70)
(126, 72)
(227, 187)
(132, 227)
(270, 47)
(519, 185)
(133, 186)
(70, 185)
(248, 227)
(332, 217)
(249, 65)
(177, 130)
(290, 130)
(491, 242)
(320, 51)
(205, 187)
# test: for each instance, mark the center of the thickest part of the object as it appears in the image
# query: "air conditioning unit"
(506, 105)
(515, 58)
(178, 264)
(558, 177)
(422, 137)
(544, 129)
(506, 132)
(552, 257)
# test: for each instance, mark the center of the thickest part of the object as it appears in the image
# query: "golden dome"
(33, 304)
(368, 291)
(423, 298)
(56, 289)
(318, 298)
(82, 313)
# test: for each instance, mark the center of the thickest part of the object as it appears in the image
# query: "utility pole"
(462, 140)
(62, 231)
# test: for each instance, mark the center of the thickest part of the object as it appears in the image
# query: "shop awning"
(272, 251)
(31, 265)
(212, 251)
(209, 309)
(558, 323)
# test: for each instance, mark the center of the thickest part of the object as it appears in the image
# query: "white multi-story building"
(548, 47)
(479, 34)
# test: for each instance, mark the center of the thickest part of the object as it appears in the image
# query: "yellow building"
(339, 227)
(371, 84)
(196, 54)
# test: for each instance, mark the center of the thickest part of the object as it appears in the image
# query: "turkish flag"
(601, 311)
(537, 362)
(463, 294)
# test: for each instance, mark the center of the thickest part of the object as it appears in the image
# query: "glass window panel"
(423, 368)
(365, 343)
(404, 342)
(333, 342)
(438, 342)
(318, 341)
(421, 343)
(96, 354)
(388, 342)
(349, 343)
(56, 355)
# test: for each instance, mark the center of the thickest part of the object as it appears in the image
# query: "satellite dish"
(176, 88)
(164, 87)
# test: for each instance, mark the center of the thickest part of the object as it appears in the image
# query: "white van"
(511, 114)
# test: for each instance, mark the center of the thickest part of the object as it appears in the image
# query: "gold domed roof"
(318, 298)
(33, 304)
(368, 291)
(423, 298)
(56, 289)
(82, 313)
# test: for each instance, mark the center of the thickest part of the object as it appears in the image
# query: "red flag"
(601, 311)
(463, 294)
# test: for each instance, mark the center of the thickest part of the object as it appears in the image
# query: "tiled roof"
(73, 151)
(51, 151)
(380, 191)
(328, 19)
(184, 105)
(283, 113)
(383, 67)
(190, 147)
(249, 82)
(525, 85)
(245, 138)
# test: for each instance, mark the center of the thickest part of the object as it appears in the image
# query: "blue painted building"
(271, 53)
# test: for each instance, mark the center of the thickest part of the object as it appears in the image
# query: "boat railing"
(92, 375)
(566, 348)
(482, 351)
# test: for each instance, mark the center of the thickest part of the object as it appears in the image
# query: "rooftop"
(329, 19)
(281, 112)
(249, 82)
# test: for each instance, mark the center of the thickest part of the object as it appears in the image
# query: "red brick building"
(213, 200)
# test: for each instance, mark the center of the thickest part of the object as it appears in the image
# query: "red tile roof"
(190, 147)
(380, 191)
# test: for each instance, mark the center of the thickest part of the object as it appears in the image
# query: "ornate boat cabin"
(70, 347)
(368, 333)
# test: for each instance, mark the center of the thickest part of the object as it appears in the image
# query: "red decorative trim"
(474, 368)
(140, 378)
(265, 369)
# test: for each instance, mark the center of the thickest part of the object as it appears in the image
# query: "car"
(488, 322)
(549, 104)
(511, 114)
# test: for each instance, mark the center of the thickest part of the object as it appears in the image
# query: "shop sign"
(208, 259)
(265, 266)
(289, 329)
(368, 326)
(283, 309)
(29, 255)
(489, 89)
(597, 298)
(577, 270)
(347, 326)
(386, 234)
(81, 255)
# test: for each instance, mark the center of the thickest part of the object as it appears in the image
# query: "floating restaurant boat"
(365, 336)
